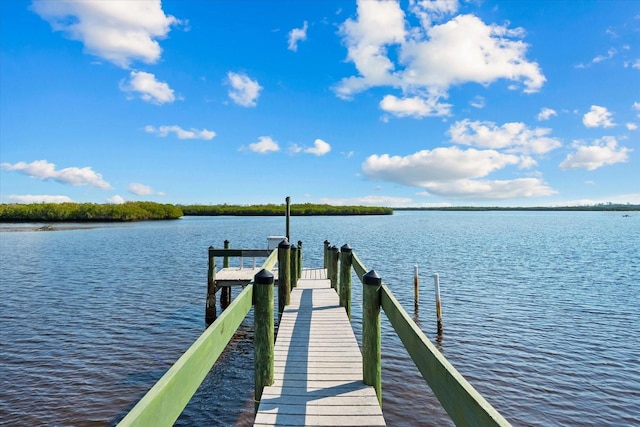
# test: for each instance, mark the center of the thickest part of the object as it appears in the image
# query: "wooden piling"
(210, 305)
(294, 266)
(436, 281)
(299, 259)
(334, 253)
(371, 332)
(284, 275)
(345, 278)
(326, 255)
(225, 291)
(416, 289)
(288, 216)
(264, 338)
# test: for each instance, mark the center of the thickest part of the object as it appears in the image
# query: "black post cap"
(346, 248)
(284, 244)
(294, 247)
(334, 248)
(372, 278)
(263, 277)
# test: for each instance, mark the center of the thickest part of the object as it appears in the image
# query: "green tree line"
(304, 209)
(87, 212)
(142, 211)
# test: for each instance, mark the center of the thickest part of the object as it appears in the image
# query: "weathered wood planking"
(234, 276)
(318, 364)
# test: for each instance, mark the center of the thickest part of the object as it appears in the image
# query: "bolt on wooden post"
(284, 276)
(333, 269)
(346, 257)
(210, 305)
(264, 341)
(371, 332)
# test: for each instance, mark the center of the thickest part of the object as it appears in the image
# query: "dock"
(318, 364)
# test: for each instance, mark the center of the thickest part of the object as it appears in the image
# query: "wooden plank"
(462, 402)
(318, 364)
(164, 402)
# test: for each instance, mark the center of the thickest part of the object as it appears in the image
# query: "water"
(541, 314)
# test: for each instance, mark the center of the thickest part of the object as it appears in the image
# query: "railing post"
(326, 255)
(210, 306)
(345, 278)
(225, 292)
(299, 259)
(333, 269)
(371, 356)
(294, 266)
(284, 276)
(288, 215)
(264, 341)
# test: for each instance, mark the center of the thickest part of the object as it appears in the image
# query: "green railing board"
(166, 400)
(358, 266)
(271, 261)
(463, 403)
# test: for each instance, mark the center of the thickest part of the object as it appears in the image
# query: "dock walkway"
(318, 364)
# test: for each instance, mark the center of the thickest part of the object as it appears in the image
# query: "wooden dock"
(318, 364)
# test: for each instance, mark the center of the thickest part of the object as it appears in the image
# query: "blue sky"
(411, 103)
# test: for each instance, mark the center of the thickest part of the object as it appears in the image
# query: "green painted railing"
(461, 401)
(165, 401)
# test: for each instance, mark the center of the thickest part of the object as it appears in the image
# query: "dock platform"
(318, 364)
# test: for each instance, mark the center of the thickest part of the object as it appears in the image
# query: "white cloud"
(148, 88)
(513, 137)
(546, 113)
(631, 126)
(636, 107)
(118, 31)
(441, 164)
(30, 198)
(143, 190)
(414, 106)
(320, 148)
(598, 117)
(610, 54)
(451, 172)
(601, 153)
(491, 190)
(369, 201)
(244, 91)
(264, 145)
(43, 170)
(296, 35)
(478, 102)
(636, 64)
(430, 59)
(192, 133)
(116, 200)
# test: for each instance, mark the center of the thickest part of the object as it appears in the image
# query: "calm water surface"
(541, 314)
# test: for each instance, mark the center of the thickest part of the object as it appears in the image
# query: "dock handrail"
(457, 396)
(165, 401)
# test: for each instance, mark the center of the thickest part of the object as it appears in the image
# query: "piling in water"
(284, 276)
(225, 292)
(210, 305)
(436, 280)
(346, 256)
(264, 338)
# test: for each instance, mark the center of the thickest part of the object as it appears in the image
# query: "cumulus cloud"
(243, 91)
(428, 60)
(148, 88)
(44, 170)
(31, 198)
(602, 152)
(598, 117)
(320, 148)
(118, 31)
(456, 173)
(264, 145)
(636, 107)
(296, 35)
(116, 200)
(416, 106)
(192, 133)
(513, 137)
(143, 190)
(546, 114)
(631, 126)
